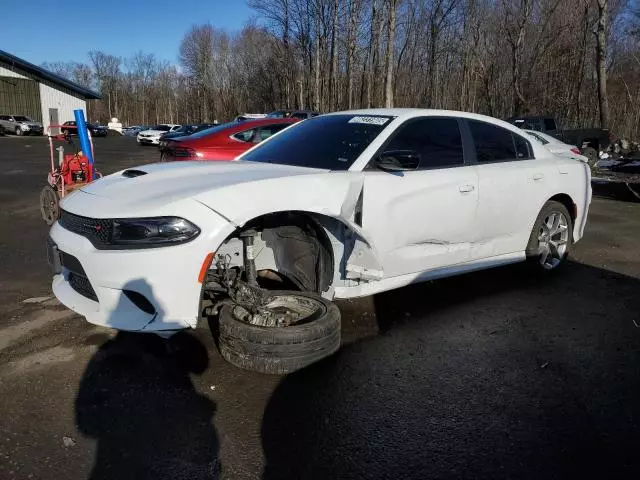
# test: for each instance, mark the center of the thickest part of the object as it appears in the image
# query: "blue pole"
(85, 145)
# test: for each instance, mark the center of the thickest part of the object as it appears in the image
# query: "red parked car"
(224, 142)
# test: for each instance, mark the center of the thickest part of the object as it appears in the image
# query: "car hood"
(146, 190)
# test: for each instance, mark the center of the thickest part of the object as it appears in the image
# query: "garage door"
(20, 96)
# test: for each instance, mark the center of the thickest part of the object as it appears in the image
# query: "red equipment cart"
(71, 172)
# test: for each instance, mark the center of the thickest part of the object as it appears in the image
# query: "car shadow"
(137, 400)
(489, 375)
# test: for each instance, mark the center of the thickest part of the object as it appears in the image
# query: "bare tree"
(391, 37)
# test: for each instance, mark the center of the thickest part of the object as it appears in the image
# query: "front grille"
(96, 230)
(82, 285)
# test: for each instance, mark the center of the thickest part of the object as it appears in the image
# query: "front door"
(422, 219)
(53, 120)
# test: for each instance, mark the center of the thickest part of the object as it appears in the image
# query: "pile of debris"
(618, 168)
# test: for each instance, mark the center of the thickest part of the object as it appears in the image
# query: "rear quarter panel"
(574, 179)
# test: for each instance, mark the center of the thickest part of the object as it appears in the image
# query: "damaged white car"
(338, 206)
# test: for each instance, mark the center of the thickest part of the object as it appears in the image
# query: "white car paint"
(557, 146)
(414, 225)
(152, 137)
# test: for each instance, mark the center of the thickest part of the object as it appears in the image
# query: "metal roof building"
(26, 89)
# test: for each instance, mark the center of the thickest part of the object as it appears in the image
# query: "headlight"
(24, 127)
(152, 232)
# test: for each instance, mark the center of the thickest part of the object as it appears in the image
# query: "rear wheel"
(551, 237)
(303, 328)
(49, 205)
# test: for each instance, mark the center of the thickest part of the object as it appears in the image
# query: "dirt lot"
(489, 375)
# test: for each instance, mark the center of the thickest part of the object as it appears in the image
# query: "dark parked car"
(70, 128)
(184, 131)
(300, 114)
(588, 140)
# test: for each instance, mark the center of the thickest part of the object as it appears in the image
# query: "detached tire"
(279, 350)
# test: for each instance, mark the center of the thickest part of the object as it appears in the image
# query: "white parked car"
(338, 206)
(557, 146)
(152, 136)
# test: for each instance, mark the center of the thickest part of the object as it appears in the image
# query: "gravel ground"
(489, 375)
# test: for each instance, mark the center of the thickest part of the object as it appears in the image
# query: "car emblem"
(97, 228)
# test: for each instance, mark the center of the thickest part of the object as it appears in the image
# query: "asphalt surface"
(490, 375)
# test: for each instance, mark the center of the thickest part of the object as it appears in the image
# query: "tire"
(280, 350)
(543, 240)
(19, 131)
(49, 205)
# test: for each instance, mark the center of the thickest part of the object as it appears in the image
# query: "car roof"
(406, 113)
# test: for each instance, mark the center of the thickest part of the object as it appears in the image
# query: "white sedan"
(152, 136)
(338, 206)
(557, 146)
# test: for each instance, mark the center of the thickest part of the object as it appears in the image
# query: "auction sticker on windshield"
(370, 120)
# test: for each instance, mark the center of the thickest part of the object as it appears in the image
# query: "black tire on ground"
(19, 131)
(533, 256)
(49, 205)
(591, 153)
(279, 350)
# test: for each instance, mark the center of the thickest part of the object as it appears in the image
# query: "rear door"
(511, 189)
(422, 219)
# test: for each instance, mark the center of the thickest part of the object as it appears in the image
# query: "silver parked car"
(20, 125)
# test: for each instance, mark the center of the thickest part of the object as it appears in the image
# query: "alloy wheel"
(553, 237)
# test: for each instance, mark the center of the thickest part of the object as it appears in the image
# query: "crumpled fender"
(333, 194)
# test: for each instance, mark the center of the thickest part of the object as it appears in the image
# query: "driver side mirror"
(11, 120)
(398, 160)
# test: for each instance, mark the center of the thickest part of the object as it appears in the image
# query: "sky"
(48, 31)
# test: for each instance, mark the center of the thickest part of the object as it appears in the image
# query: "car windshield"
(22, 118)
(163, 128)
(209, 131)
(330, 142)
(277, 114)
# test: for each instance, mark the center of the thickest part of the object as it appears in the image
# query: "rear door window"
(245, 135)
(497, 144)
(436, 140)
(523, 147)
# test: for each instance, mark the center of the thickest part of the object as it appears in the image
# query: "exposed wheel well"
(298, 244)
(568, 202)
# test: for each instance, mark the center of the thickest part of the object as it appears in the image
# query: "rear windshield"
(209, 131)
(330, 142)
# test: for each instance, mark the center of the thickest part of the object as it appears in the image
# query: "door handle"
(538, 176)
(466, 188)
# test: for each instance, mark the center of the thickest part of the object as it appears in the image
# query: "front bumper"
(149, 140)
(165, 278)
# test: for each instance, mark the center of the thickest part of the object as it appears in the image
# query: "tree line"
(578, 60)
